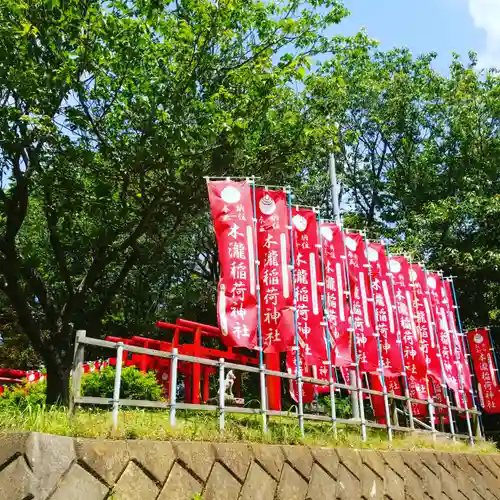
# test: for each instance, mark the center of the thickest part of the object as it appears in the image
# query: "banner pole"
(494, 353)
(379, 348)
(438, 346)
(327, 332)
(399, 340)
(356, 382)
(263, 391)
(298, 371)
(460, 368)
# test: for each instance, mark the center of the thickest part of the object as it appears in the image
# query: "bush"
(134, 384)
(25, 396)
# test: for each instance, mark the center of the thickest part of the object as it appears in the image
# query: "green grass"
(201, 426)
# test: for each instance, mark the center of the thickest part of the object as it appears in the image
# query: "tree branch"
(55, 242)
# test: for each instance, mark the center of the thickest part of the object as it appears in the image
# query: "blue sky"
(443, 26)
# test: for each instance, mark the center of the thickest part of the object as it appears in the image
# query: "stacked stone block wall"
(42, 467)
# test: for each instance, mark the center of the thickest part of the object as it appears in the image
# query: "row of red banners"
(341, 288)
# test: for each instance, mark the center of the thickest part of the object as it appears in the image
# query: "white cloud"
(486, 16)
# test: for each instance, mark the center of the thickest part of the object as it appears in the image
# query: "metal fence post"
(263, 397)
(78, 359)
(431, 414)
(173, 386)
(116, 390)
(222, 394)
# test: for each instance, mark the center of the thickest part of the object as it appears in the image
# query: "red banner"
(440, 304)
(362, 310)
(337, 307)
(423, 319)
(457, 339)
(308, 390)
(437, 395)
(232, 212)
(378, 405)
(386, 320)
(481, 352)
(276, 290)
(307, 278)
(414, 358)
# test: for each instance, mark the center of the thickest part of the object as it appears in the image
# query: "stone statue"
(228, 384)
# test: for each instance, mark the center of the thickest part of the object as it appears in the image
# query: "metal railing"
(222, 408)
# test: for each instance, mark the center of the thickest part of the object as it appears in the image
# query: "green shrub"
(134, 384)
(343, 406)
(25, 396)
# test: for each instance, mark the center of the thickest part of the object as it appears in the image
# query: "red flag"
(423, 319)
(362, 310)
(440, 304)
(437, 395)
(457, 339)
(386, 319)
(414, 358)
(481, 352)
(337, 307)
(308, 294)
(307, 389)
(378, 405)
(232, 212)
(276, 292)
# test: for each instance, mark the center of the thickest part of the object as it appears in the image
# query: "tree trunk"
(57, 383)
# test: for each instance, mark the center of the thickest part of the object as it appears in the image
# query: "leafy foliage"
(111, 113)
(134, 384)
(24, 397)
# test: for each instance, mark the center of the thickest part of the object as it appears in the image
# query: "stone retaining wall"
(40, 466)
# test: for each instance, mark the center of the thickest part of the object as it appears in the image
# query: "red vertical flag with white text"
(276, 289)
(414, 358)
(362, 311)
(424, 322)
(386, 318)
(437, 293)
(462, 367)
(481, 352)
(232, 213)
(307, 278)
(337, 308)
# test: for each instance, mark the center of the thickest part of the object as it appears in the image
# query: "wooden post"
(77, 369)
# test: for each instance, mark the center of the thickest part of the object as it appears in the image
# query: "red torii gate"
(194, 372)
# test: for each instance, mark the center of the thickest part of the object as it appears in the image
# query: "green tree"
(111, 112)
(419, 162)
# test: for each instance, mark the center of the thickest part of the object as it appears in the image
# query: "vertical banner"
(482, 358)
(276, 289)
(393, 387)
(437, 293)
(307, 389)
(320, 372)
(232, 213)
(366, 341)
(307, 289)
(386, 318)
(457, 342)
(414, 358)
(423, 319)
(337, 308)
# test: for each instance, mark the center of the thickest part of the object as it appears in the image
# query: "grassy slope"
(138, 424)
